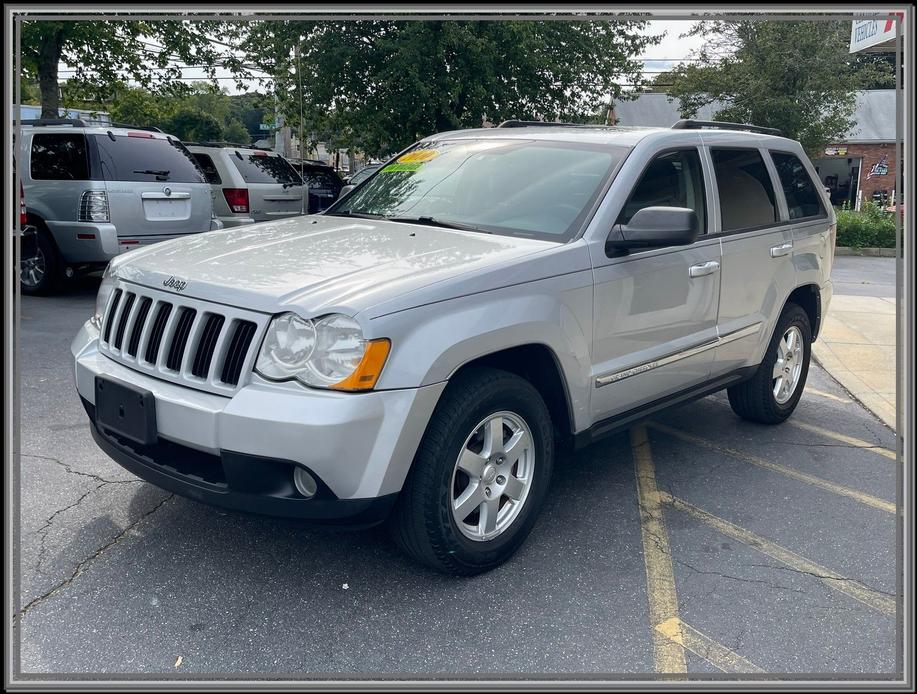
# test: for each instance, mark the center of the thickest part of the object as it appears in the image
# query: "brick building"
(861, 167)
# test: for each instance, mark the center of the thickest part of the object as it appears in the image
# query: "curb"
(869, 252)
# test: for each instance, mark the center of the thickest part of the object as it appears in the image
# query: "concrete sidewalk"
(857, 344)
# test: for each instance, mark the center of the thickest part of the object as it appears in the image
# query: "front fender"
(430, 343)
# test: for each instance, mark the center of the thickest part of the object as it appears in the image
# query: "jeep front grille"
(195, 343)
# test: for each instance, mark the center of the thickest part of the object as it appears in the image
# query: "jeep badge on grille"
(175, 283)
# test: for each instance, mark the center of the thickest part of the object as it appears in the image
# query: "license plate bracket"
(126, 410)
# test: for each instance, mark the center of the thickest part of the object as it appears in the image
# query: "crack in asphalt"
(81, 567)
(76, 472)
(842, 579)
(737, 578)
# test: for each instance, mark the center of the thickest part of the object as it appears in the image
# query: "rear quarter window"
(802, 197)
(59, 157)
(147, 159)
(264, 168)
(745, 190)
(209, 169)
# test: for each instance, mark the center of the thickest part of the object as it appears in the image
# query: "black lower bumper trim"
(262, 492)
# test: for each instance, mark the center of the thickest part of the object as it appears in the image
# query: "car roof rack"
(150, 128)
(691, 124)
(75, 122)
(220, 143)
(541, 123)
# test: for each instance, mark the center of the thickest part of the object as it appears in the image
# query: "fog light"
(305, 483)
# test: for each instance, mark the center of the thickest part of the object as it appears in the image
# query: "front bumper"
(239, 452)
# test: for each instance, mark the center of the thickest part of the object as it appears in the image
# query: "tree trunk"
(48, 58)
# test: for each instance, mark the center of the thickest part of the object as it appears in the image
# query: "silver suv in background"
(417, 352)
(249, 185)
(94, 191)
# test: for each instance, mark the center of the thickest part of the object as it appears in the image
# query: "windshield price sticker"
(412, 160)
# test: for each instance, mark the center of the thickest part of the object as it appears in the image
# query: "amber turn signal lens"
(370, 368)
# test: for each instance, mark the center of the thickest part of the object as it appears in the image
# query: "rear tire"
(41, 273)
(473, 494)
(771, 395)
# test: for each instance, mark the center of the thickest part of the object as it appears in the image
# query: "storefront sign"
(836, 151)
(876, 34)
(880, 168)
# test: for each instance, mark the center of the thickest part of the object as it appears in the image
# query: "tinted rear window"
(59, 157)
(322, 180)
(802, 198)
(208, 167)
(146, 159)
(261, 168)
(746, 193)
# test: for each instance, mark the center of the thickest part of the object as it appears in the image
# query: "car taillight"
(94, 206)
(22, 215)
(237, 198)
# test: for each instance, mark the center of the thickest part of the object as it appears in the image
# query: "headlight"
(105, 291)
(326, 353)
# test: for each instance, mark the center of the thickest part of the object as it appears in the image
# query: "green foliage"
(872, 227)
(795, 76)
(236, 132)
(191, 124)
(104, 53)
(139, 107)
(379, 85)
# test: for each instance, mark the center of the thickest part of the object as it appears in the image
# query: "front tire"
(480, 475)
(771, 395)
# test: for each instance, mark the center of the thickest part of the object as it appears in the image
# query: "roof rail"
(75, 122)
(691, 124)
(150, 128)
(220, 143)
(540, 123)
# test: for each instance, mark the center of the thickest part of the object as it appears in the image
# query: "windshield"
(145, 158)
(528, 188)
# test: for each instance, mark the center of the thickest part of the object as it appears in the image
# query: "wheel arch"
(808, 298)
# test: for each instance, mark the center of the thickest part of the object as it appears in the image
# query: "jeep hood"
(316, 263)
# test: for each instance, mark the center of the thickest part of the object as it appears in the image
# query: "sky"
(668, 52)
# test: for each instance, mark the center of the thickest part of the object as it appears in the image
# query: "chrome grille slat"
(137, 325)
(157, 332)
(179, 341)
(184, 340)
(203, 354)
(112, 314)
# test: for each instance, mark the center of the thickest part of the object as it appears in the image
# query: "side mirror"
(653, 227)
(346, 189)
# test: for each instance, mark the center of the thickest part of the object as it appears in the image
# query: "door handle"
(703, 269)
(781, 250)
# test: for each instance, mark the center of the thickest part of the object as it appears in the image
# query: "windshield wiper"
(158, 173)
(434, 222)
(360, 215)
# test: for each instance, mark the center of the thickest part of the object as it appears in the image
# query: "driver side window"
(672, 179)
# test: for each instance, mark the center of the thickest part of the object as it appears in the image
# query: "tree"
(193, 125)
(236, 132)
(103, 53)
(795, 76)
(139, 107)
(380, 85)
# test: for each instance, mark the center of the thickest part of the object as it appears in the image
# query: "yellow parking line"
(829, 396)
(857, 591)
(861, 497)
(843, 438)
(668, 653)
(700, 644)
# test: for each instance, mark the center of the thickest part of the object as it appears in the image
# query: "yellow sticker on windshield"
(418, 156)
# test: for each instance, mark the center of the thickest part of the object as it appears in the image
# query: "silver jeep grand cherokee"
(417, 352)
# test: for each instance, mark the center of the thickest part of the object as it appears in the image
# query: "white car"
(417, 352)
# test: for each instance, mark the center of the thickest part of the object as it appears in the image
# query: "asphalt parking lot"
(695, 544)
